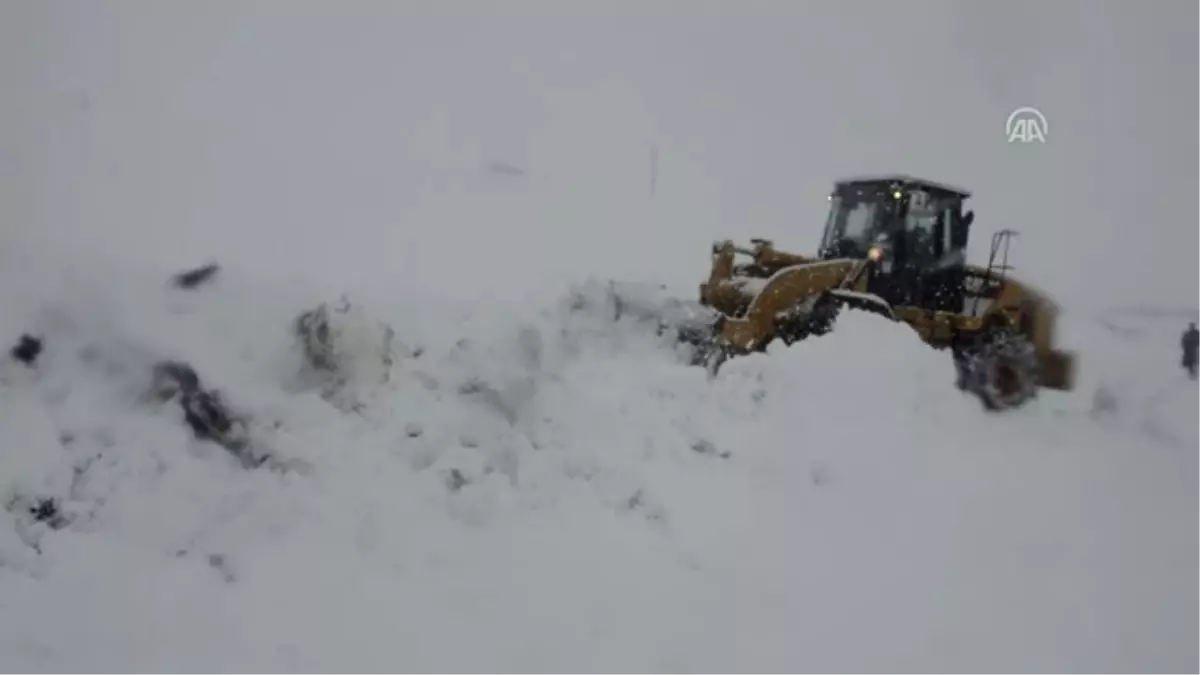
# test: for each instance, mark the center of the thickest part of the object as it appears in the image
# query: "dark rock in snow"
(704, 447)
(195, 277)
(455, 480)
(312, 329)
(173, 377)
(219, 563)
(45, 510)
(345, 347)
(40, 509)
(203, 410)
(27, 349)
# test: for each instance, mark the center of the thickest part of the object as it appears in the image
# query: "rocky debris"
(42, 510)
(455, 480)
(204, 410)
(639, 503)
(27, 349)
(195, 277)
(311, 328)
(34, 516)
(221, 565)
(705, 447)
(346, 348)
(349, 356)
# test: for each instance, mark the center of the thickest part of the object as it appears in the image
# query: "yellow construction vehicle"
(895, 246)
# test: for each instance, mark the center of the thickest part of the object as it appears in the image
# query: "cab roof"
(902, 179)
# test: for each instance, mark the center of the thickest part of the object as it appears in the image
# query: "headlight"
(875, 253)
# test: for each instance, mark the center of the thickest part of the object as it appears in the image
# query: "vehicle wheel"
(1003, 371)
(962, 369)
(823, 315)
(817, 321)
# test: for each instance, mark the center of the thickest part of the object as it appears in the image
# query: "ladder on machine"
(1000, 244)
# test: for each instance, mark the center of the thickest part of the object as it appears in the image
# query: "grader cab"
(894, 246)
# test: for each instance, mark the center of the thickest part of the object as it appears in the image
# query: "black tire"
(1002, 372)
(818, 321)
(962, 369)
(824, 314)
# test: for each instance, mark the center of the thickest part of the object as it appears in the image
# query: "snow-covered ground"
(589, 504)
(532, 485)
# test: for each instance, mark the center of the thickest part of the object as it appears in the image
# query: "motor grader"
(894, 246)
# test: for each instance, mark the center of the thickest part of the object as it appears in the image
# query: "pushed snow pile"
(419, 486)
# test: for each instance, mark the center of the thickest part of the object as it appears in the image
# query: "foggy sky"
(353, 131)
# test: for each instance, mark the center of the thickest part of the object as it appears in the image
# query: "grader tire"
(1002, 372)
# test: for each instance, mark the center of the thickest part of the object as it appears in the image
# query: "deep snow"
(542, 489)
(599, 506)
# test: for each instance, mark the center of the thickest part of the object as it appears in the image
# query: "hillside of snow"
(558, 491)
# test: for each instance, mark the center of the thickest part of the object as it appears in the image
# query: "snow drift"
(484, 491)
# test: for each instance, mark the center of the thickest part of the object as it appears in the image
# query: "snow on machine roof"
(903, 178)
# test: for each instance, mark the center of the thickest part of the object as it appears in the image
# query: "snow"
(862, 298)
(903, 178)
(512, 470)
(595, 505)
(752, 286)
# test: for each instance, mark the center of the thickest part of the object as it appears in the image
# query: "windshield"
(852, 225)
(922, 230)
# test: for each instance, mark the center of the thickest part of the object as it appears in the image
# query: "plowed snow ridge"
(596, 506)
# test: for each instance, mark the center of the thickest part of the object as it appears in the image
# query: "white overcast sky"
(283, 121)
